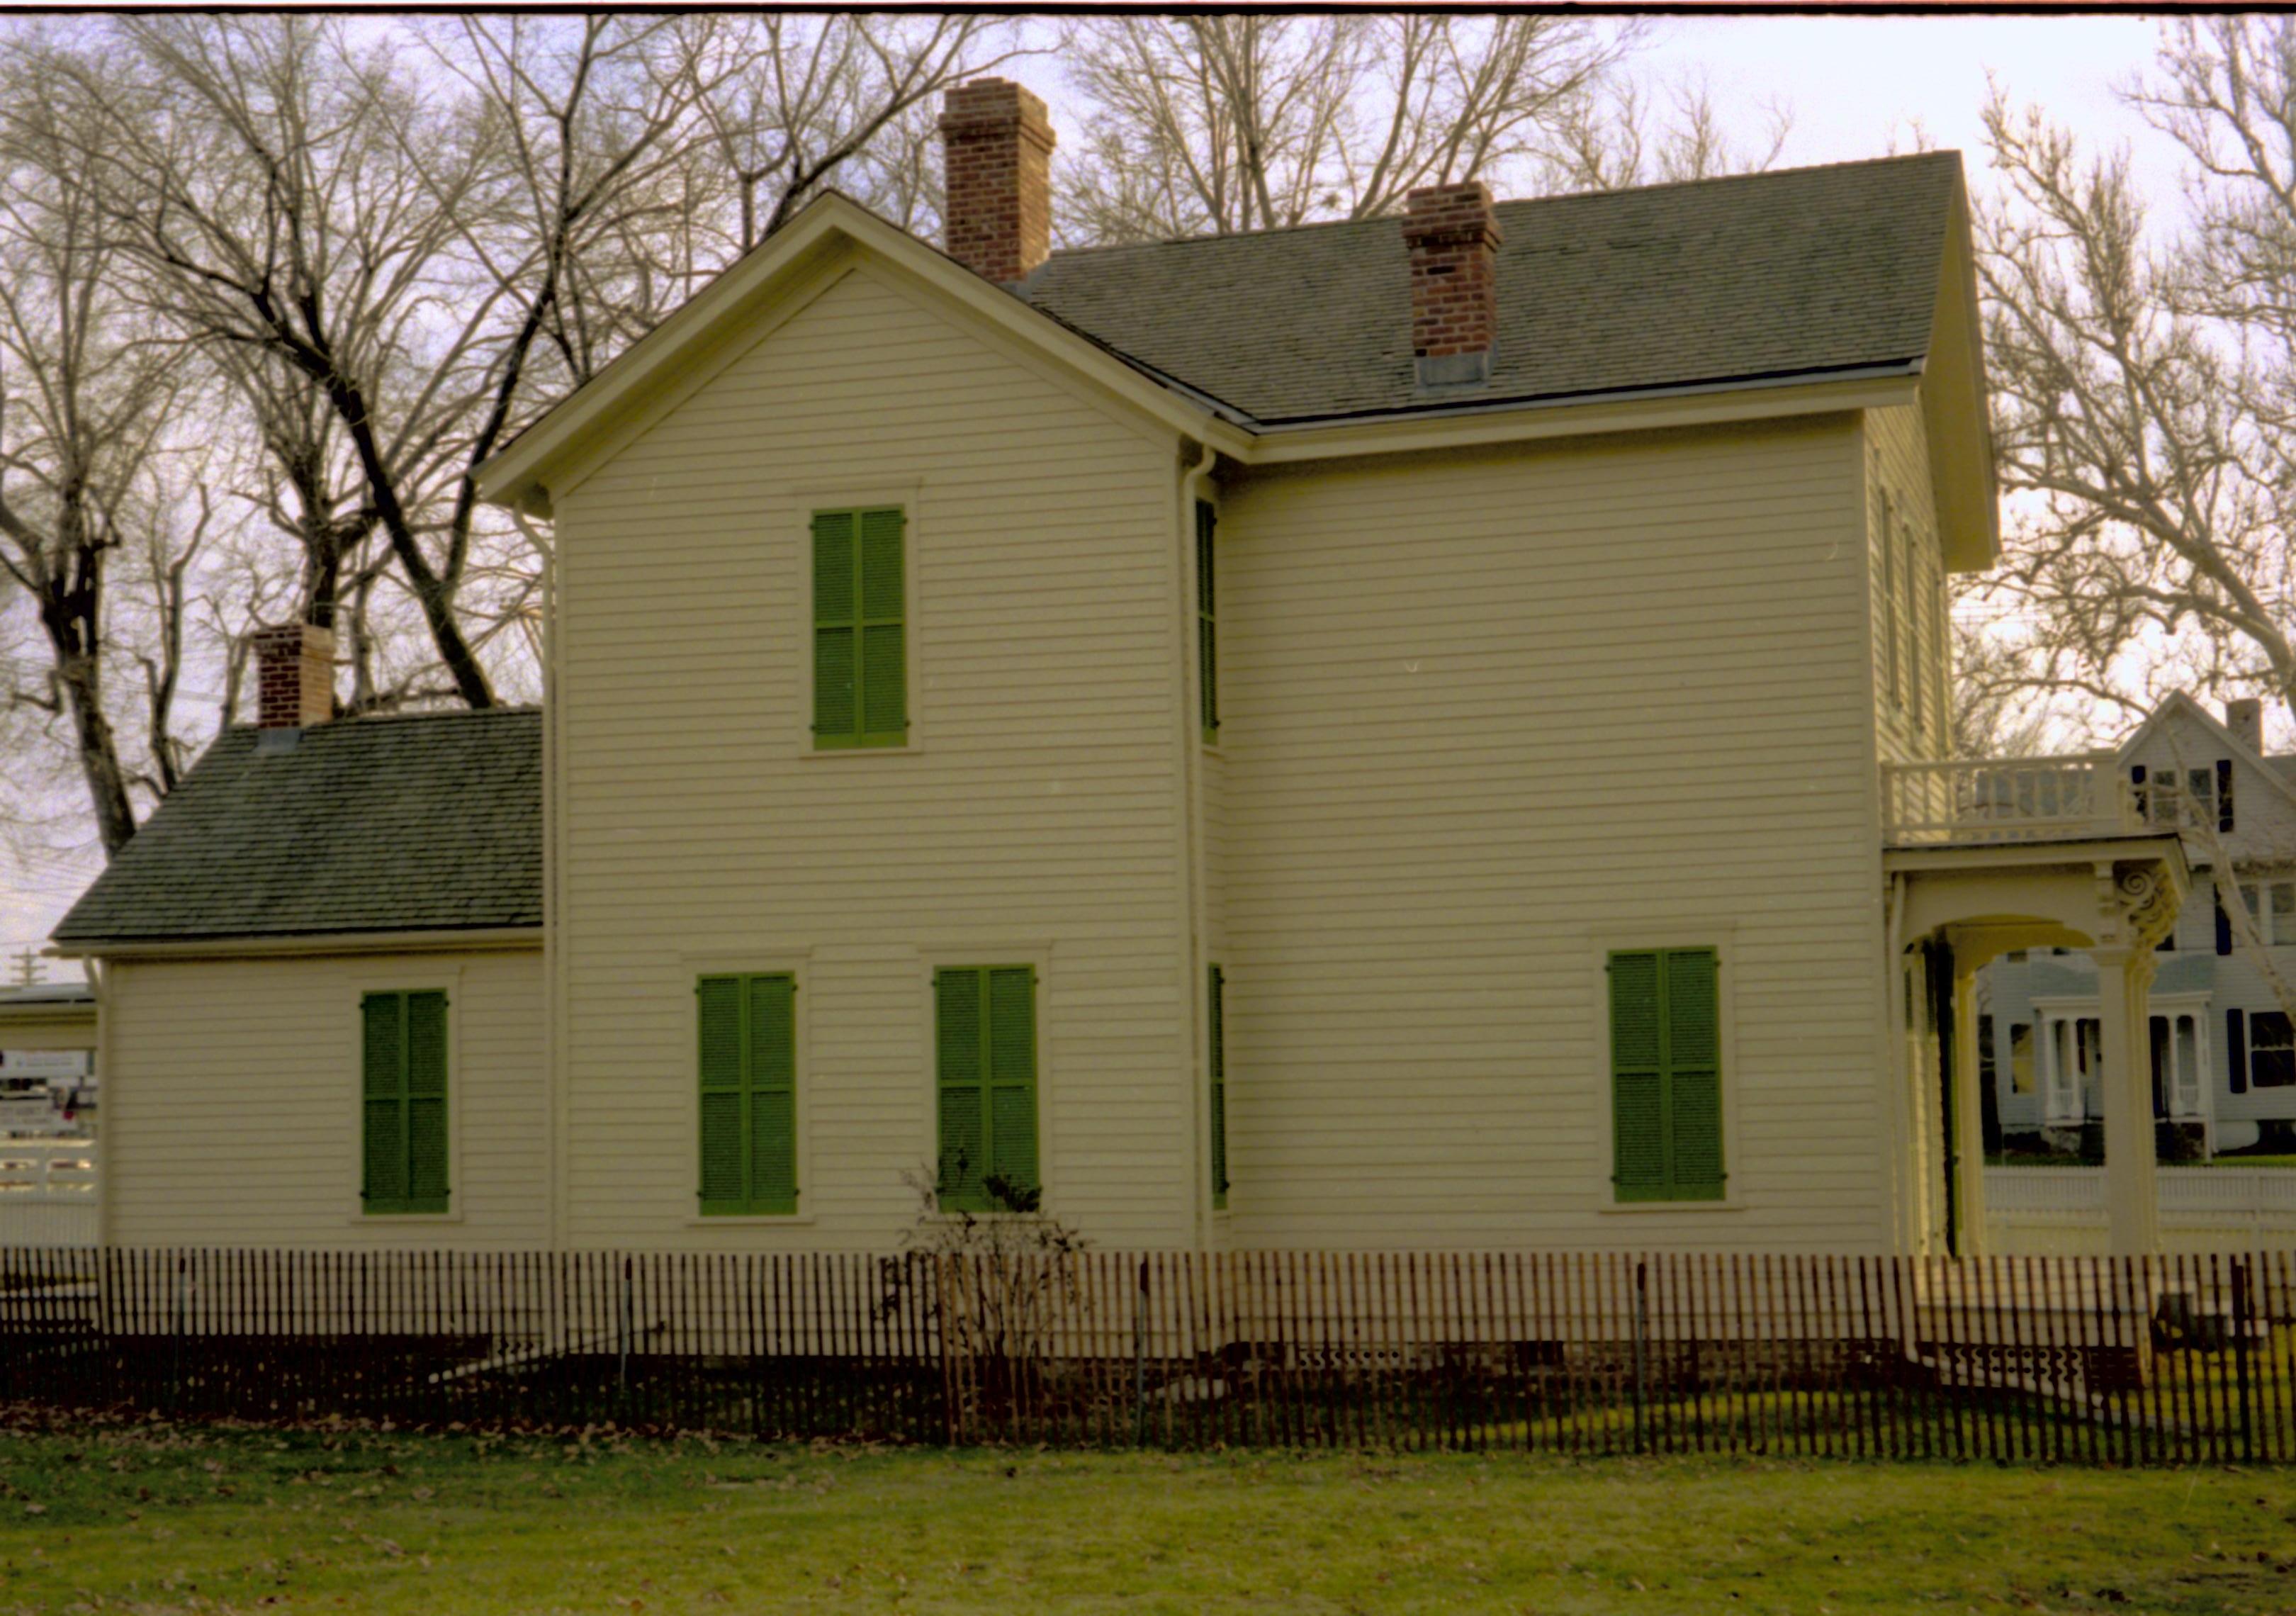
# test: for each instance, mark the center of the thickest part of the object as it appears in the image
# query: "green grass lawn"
(163, 1521)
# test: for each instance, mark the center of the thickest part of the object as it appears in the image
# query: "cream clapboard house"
(1403, 733)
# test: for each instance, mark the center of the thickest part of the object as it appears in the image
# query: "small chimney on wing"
(2245, 720)
(294, 676)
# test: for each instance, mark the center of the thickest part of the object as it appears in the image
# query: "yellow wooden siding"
(1037, 814)
(231, 1101)
(1897, 465)
(1487, 715)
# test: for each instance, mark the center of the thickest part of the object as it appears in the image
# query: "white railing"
(47, 1193)
(2006, 800)
(2046, 1209)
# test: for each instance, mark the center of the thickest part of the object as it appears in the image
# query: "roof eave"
(428, 940)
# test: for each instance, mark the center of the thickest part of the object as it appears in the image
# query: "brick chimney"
(294, 676)
(996, 148)
(2245, 720)
(1453, 239)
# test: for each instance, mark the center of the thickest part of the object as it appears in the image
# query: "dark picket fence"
(2176, 1359)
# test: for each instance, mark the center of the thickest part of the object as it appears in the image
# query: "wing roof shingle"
(1790, 273)
(429, 823)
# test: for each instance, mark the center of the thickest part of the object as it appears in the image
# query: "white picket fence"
(47, 1193)
(2045, 1211)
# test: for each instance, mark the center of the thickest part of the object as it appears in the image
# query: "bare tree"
(2144, 383)
(1612, 143)
(87, 395)
(1218, 123)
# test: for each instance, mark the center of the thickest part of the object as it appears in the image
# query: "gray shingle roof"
(423, 823)
(1801, 271)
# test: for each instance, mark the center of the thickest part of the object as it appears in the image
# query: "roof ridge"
(501, 710)
(1514, 202)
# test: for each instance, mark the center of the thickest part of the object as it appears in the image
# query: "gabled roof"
(1796, 273)
(2179, 707)
(420, 823)
(1835, 276)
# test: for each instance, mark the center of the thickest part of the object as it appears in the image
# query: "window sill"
(753, 1220)
(365, 1220)
(907, 750)
(1643, 1208)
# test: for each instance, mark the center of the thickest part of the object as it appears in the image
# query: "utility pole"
(29, 970)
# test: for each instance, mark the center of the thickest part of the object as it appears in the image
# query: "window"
(2271, 1050)
(2180, 799)
(403, 1102)
(1885, 528)
(2272, 909)
(860, 655)
(2179, 1053)
(748, 1059)
(1987, 1068)
(1919, 629)
(1665, 1075)
(2021, 1057)
(1216, 1063)
(985, 1040)
(1207, 615)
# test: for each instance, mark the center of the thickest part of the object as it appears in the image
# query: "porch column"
(1968, 1109)
(2124, 984)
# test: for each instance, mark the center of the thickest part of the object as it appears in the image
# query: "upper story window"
(1207, 624)
(2186, 799)
(860, 651)
(2272, 909)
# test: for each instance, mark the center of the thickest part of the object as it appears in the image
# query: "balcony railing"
(2006, 800)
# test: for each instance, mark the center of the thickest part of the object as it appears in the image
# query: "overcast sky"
(1852, 84)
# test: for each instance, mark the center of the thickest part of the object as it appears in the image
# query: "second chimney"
(1454, 238)
(996, 148)
(294, 676)
(2245, 720)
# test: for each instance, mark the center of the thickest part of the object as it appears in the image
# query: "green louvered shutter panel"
(1206, 622)
(963, 1072)
(836, 630)
(382, 1182)
(1217, 1061)
(884, 657)
(773, 1094)
(426, 1103)
(1694, 1041)
(1012, 1075)
(724, 1179)
(1637, 1078)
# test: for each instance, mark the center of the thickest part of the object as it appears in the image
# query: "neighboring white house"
(2221, 1054)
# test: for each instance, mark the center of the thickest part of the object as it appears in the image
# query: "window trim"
(931, 962)
(861, 742)
(751, 1208)
(1720, 935)
(358, 985)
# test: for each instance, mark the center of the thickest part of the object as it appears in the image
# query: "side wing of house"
(848, 810)
(1500, 725)
(244, 1096)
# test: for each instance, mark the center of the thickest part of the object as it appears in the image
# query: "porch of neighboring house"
(1984, 857)
(48, 1164)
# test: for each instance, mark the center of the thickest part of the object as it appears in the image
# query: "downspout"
(99, 979)
(553, 865)
(1893, 1045)
(1192, 848)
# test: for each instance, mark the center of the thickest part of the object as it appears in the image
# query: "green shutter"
(1207, 619)
(773, 1094)
(1694, 1073)
(382, 1183)
(1012, 1078)
(962, 1084)
(1665, 1075)
(748, 1063)
(1217, 1062)
(402, 1145)
(860, 655)
(984, 1033)
(1637, 1079)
